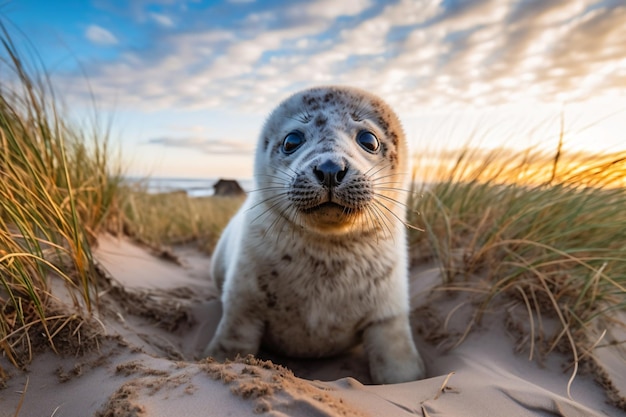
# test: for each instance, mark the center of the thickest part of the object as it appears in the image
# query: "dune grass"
(548, 230)
(57, 192)
(175, 218)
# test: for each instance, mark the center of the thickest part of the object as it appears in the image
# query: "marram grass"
(549, 231)
(175, 218)
(57, 191)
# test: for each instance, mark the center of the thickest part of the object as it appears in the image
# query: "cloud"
(426, 54)
(332, 9)
(209, 146)
(162, 19)
(100, 35)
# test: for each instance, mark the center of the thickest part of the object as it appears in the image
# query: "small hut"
(227, 188)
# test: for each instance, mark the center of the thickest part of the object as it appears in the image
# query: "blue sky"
(189, 83)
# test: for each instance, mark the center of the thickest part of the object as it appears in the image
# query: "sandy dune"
(158, 315)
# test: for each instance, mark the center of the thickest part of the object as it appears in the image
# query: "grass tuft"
(175, 218)
(549, 231)
(57, 192)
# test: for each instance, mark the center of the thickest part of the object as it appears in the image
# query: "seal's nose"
(330, 173)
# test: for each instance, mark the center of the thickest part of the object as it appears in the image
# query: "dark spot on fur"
(270, 299)
(311, 102)
(394, 138)
(320, 121)
(287, 258)
(274, 273)
(266, 143)
(393, 159)
(382, 122)
(328, 97)
(384, 149)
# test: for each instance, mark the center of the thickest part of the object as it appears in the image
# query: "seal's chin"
(329, 215)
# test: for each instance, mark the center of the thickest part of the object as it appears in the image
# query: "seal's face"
(333, 159)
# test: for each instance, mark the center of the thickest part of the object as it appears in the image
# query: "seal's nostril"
(330, 173)
(319, 174)
(341, 174)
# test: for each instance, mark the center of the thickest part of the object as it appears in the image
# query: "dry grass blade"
(56, 191)
(22, 397)
(444, 384)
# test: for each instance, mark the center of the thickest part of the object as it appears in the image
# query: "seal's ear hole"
(368, 141)
(292, 142)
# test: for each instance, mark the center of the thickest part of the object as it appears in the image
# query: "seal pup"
(315, 261)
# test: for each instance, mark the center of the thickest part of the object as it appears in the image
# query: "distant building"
(227, 188)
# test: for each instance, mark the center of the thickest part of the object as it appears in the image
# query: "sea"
(194, 187)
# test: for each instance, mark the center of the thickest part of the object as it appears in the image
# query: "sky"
(188, 84)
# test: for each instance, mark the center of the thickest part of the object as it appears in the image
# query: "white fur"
(315, 283)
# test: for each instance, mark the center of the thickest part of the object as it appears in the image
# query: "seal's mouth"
(330, 215)
(327, 206)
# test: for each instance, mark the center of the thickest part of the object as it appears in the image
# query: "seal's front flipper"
(392, 354)
(239, 333)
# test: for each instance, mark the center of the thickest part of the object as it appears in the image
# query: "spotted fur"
(308, 278)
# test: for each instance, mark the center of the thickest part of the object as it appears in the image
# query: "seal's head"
(333, 159)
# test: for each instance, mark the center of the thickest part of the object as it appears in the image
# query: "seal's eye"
(368, 141)
(292, 142)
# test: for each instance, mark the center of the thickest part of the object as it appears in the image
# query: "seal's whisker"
(390, 189)
(387, 179)
(401, 220)
(378, 183)
(383, 219)
(273, 197)
(387, 176)
(277, 181)
(371, 216)
(270, 208)
(282, 220)
(290, 176)
(392, 200)
(272, 188)
(277, 223)
(369, 173)
(285, 178)
(392, 174)
(353, 217)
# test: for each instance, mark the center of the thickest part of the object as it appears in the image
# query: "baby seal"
(315, 261)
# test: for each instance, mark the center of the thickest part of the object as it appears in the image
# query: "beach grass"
(548, 229)
(175, 218)
(57, 193)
